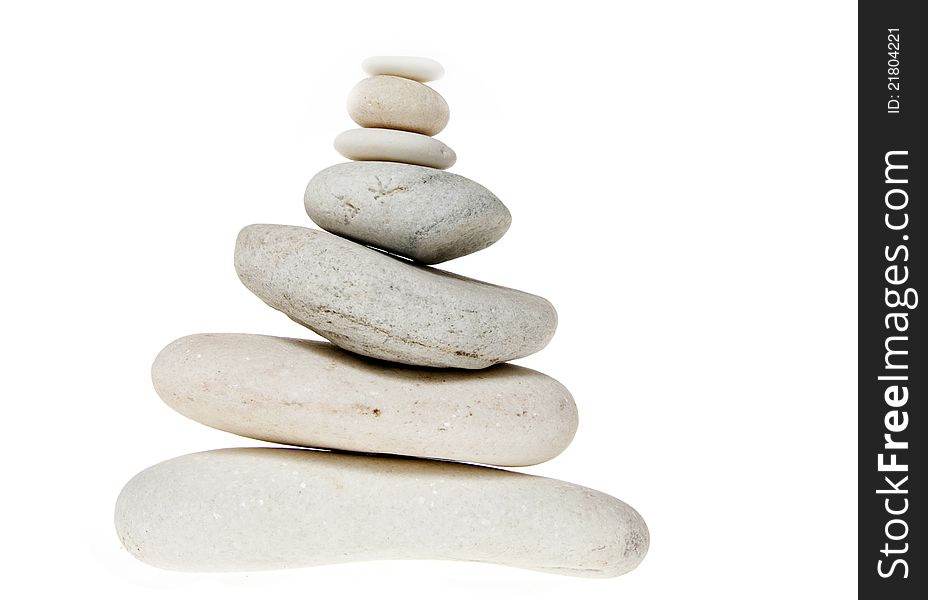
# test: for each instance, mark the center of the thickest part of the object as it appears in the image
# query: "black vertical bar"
(892, 370)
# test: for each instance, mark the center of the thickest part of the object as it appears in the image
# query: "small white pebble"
(418, 68)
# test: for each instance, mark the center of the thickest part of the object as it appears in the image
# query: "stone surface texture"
(426, 214)
(411, 67)
(314, 394)
(380, 306)
(397, 103)
(394, 146)
(268, 508)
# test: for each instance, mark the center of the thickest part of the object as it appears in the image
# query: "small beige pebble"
(248, 509)
(411, 67)
(394, 146)
(396, 103)
(314, 394)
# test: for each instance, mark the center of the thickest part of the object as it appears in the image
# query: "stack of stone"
(398, 114)
(409, 371)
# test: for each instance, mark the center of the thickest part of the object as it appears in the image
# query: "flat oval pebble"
(314, 394)
(397, 103)
(411, 67)
(394, 146)
(248, 509)
(426, 214)
(374, 304)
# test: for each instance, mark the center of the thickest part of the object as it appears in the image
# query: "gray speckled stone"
(267, 508)
(313, 394)
(384, 307)
(426, 214)
(398, 103)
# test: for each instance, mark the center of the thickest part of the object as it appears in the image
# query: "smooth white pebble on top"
(417, 68)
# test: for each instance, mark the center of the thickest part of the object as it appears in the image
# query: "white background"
(682, 178)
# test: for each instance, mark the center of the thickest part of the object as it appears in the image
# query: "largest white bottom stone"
(268, 508)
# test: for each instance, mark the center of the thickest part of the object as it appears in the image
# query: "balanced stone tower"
(412, 370)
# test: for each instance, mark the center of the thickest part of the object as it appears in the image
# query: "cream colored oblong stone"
(394, 146)
(377, 305)
(252, 509)
(411, 67)
(398, 103)
(314, 394)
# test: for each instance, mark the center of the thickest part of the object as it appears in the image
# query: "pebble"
(377, 305)
(410, 67)
(426, 214)
(313, 394)
(247, 509)
(398, 103)
(394, 146)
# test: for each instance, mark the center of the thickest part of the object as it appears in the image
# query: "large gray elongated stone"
(426, 214)
(384, 307)
(269, 508)
(314, 394)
